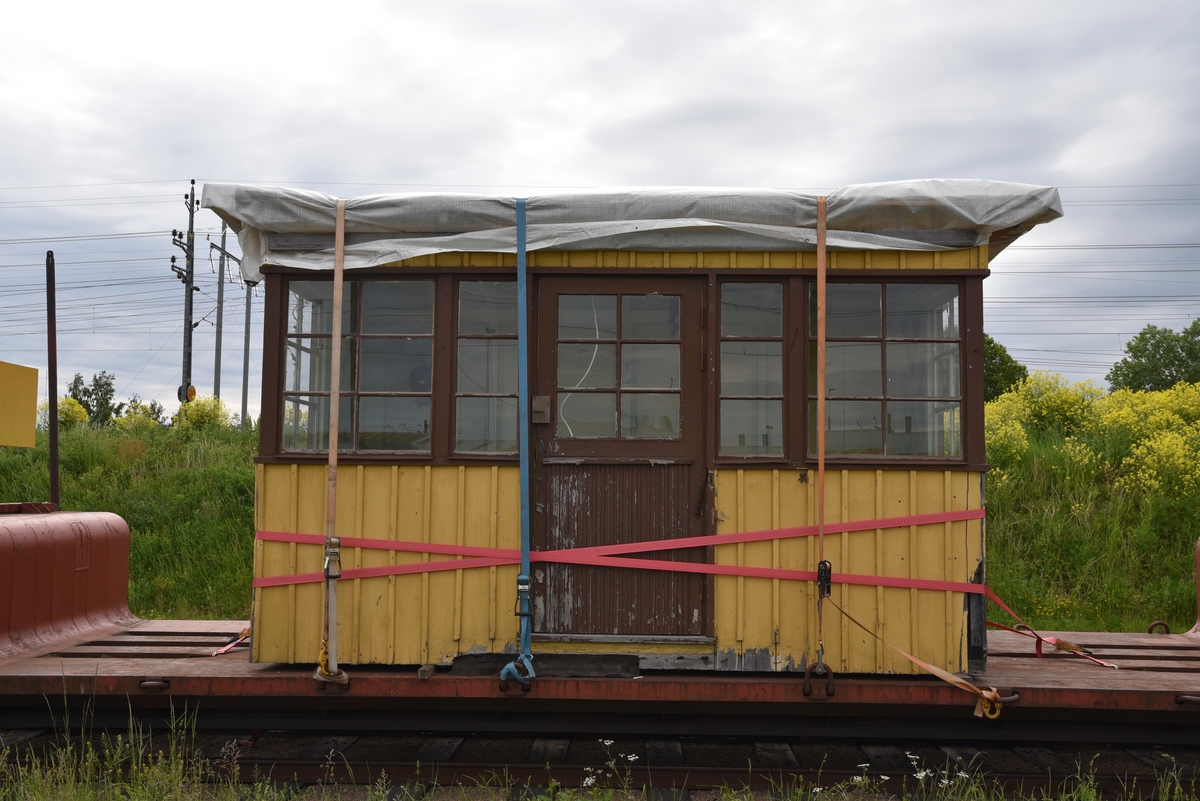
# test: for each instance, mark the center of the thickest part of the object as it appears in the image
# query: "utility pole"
(246, 347)
(187, 275)
(52, 375)
(220, 313)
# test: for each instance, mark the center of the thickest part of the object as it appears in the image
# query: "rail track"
(1020, 759)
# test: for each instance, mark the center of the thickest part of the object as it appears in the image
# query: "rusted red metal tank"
(62, 575)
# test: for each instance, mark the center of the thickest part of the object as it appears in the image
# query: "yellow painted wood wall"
(432, 618)
(414, 619)
(779, 617)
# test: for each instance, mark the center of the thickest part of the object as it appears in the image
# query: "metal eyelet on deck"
(1159, 624)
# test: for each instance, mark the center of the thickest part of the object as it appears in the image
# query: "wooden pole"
(327, 669)
(52, 376)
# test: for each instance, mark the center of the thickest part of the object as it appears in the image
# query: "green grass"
(1070, 550)
(188, 496)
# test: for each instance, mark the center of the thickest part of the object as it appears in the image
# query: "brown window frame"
(795, 364)
(443, 379)
(969, 329)
(788, 335)
(457, 393)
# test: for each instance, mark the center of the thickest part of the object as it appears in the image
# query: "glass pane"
(306, 423)
(924, 428)
(645, 416)
(752, 310)
(751, 427)
(923, 369)
(751, 368)
(584, 365)
(396, 365)
(486, 424)
(652, 366)
(309, 363)
(851, 310)
(587, 316)
(393, 424)
(650, 317)
(310, 302)
(487, 307)
(587, 414)
(851, 368)
(397, 307)
(922, 311)
(850, 427)
(487, 365)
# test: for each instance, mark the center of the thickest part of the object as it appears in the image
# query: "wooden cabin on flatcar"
(653, 358)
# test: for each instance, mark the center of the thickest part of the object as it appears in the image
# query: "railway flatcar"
(724, 430)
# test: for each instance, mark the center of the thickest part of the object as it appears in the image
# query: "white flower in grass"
(589, 781)
(884, 778)
(632, 757)
(864, 764)
(923, 774)
(607, 743)
(858, 779)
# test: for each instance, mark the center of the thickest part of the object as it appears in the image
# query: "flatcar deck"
(149, 665)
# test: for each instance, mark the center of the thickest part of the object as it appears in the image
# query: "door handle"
(540, 410)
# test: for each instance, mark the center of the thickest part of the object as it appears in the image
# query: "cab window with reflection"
(893, 368)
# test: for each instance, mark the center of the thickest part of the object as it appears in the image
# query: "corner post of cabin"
(524, 583)
(327, 666)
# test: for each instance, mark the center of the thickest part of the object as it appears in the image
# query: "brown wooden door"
(621, 458)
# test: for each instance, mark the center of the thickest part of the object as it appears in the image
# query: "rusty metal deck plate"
(167, 659)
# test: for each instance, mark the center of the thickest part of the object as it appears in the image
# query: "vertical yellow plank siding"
(760, 624)
(930, 624)
(410, 619)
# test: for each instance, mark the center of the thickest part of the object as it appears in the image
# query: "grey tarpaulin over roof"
(294, 227)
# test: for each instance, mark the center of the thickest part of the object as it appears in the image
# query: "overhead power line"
(82, 237)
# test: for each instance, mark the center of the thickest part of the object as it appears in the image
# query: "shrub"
(140, 416)
(207, 411)
(1004, 422)
(1056, 406)
(71, 414)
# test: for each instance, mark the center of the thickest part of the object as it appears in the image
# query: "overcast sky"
(106, 110)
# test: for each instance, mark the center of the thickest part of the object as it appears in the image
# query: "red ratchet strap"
(611, 555)
(468, 556)
(1057, 642)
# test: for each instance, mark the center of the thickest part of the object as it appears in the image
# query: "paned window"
(486, 399)
(618, 366)
(893, 367)
(387, 366)
(751, 370)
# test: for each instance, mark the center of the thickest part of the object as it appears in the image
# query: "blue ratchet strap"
(524, 605)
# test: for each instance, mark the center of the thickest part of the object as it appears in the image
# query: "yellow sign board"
(18, 405)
